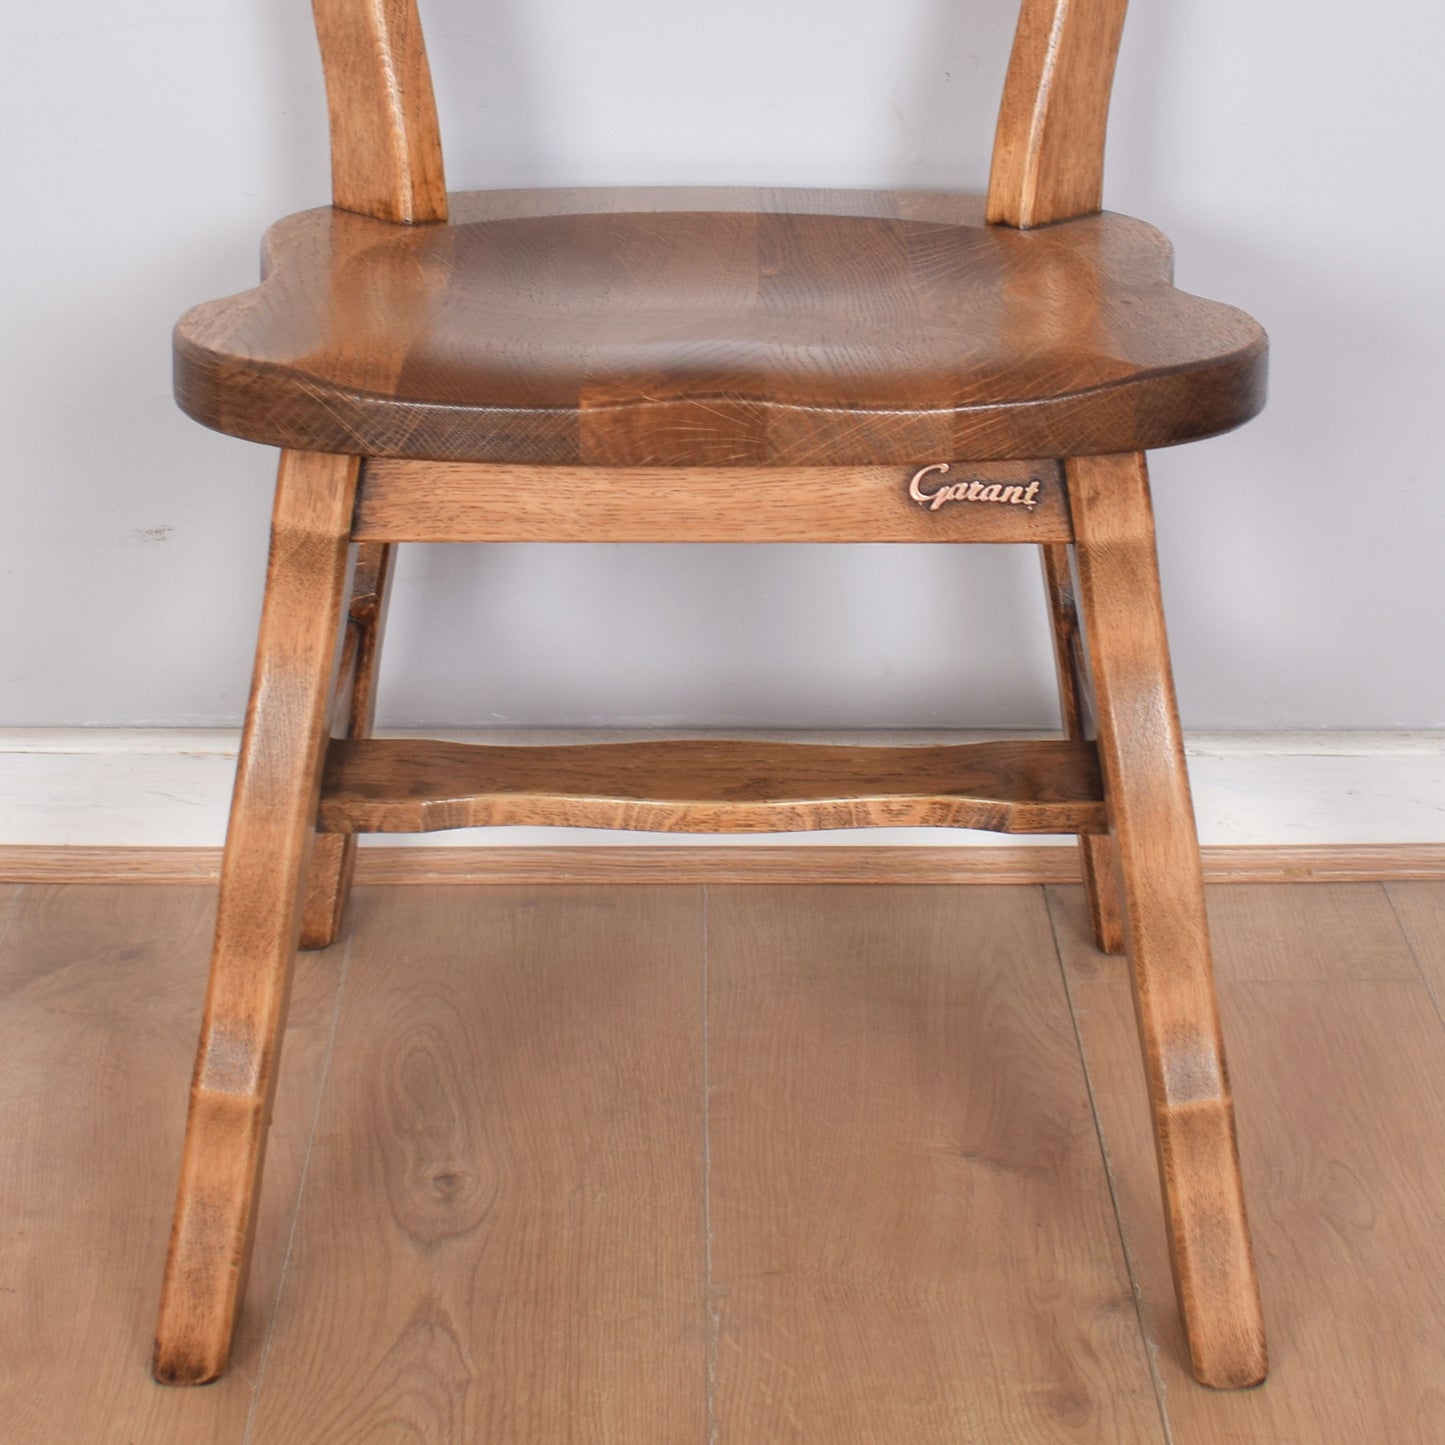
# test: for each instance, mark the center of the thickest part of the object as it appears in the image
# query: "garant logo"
(975, 491)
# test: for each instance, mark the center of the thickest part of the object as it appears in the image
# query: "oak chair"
(674, 365)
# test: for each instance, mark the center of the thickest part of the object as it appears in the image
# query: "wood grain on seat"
(703, 328)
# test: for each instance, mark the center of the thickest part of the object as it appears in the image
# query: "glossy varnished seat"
(721, 366)
(638, 328)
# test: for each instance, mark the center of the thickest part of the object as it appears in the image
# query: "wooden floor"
(743, 1164)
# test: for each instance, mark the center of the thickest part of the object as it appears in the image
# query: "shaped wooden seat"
(675, 335)
(734, 367)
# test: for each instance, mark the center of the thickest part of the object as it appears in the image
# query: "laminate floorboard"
(501, 1237)
(1420, 907)
(725, 1166)
(100, 999)
(9, 895)
(912, 1235)
(1337, 1057)
(1307, 933)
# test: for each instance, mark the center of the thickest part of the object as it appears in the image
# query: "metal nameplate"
(929, 490)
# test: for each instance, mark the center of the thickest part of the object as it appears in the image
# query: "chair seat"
(706, 328)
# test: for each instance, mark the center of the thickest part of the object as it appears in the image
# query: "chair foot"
(278, 781)
(1151, 818)
(328, 889)
(210, 1238)
(1099, 866)
(1214, 1275)
(333, 857)
(1096, 853)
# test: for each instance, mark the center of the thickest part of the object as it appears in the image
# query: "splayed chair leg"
(1152, 821)
(333, 857)
(1097, 860)
(278, 780)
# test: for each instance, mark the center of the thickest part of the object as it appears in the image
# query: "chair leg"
(1152, 820)
(333, 855)
(1097, 859)
(273, 809)
(1099, 864)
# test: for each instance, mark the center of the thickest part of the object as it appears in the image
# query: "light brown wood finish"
(1420, 908)
(512, 1141)
(912, 1237)
(1048, 150)
(386, 163)
(1334, 1044)
(100, 988)
(1096, 850)
(1048, 155)
(333, 858)
(405, 501)
(738, 863)
(1151, 819)
(386, 152)
(258, 921)
(644, 330)
(1333, 1049)
(1345, 933)
(10, 894)
(631, 331)
(413, 785)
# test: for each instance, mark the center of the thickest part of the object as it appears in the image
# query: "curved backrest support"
(1048, 156)
(1048, 151)
(386, 152)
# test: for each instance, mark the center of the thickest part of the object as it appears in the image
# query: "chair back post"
(1048, 155)
(1048, 152)
(386, 153)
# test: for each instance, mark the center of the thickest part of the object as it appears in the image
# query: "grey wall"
(1289, 150)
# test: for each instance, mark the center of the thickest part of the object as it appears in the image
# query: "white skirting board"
(169, 788)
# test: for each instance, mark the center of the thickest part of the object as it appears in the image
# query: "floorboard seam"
(1421, 971)
(714, 1321)
(8, 912)
(1134, 1289)
(300, 1193)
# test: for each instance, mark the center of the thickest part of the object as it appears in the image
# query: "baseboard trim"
(1316, 863)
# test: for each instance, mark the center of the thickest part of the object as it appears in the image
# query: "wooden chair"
(740, 366)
